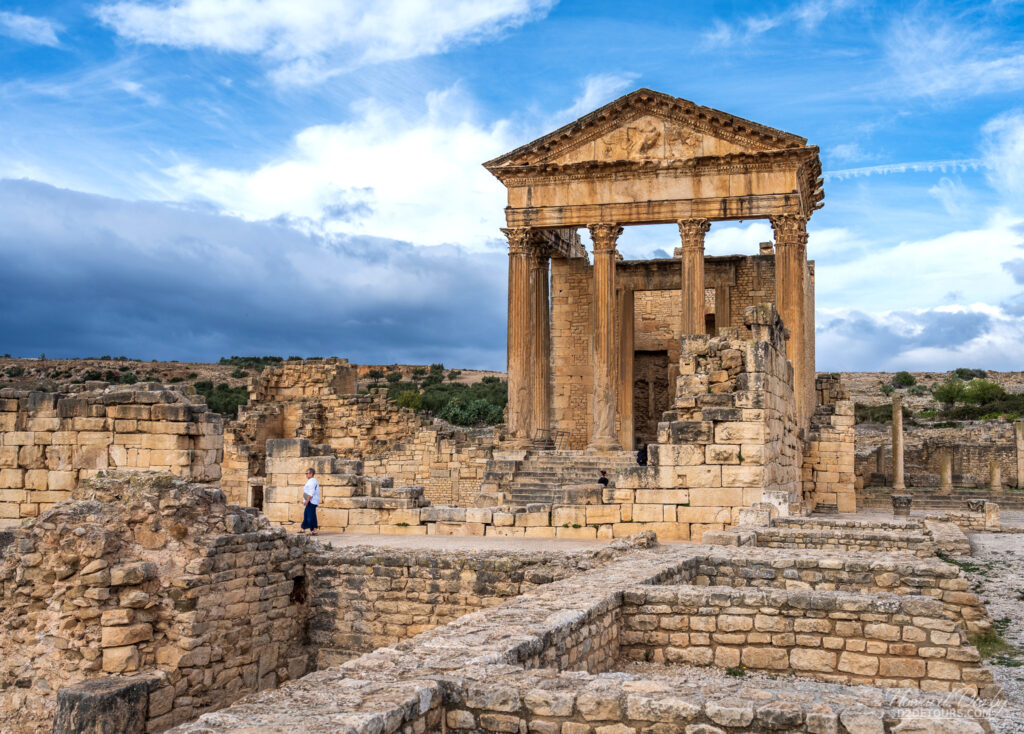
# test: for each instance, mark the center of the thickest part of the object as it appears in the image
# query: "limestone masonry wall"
(49, 441)
(881, 639)
(152, 575)
(572, 372)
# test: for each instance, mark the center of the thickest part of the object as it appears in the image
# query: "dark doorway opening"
(651, 395)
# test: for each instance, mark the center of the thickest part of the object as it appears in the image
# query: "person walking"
(310, 498)
(603, 479)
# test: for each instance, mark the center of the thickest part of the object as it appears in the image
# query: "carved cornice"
(790, 230)
(604, 236)
(732, 163)
(692, 231)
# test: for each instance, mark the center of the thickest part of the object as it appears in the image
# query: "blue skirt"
(309, 517)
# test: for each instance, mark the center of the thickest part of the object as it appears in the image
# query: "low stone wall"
(879, 639)
(147, 575)
(848, 572)
(829, 448)
(842, 539)
(362, 598)
(985, 519)
(49, 441)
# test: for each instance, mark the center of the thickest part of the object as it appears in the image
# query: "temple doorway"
(651, 395)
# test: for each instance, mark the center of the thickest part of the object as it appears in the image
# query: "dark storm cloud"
(88, 275)
(860, 341)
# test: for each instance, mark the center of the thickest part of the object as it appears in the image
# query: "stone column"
(605, 341)
(790, 288)
(946, 470)
(520, 378)
(691, 232)
(626, 437)
(1018, 432)
(897, 442)
(540, 318)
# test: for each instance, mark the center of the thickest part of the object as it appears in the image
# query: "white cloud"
(1004, 153)
(42, 31)
(808, 15)
(598, 90)
(383, 173)
(953, 196)
(307, 41)
(935, 58)
(135, 89)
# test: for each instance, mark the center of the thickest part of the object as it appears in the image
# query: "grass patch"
(991, 645)
(736, 672)
(966, 566)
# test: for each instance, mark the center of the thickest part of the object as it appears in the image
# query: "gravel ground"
(996, 571)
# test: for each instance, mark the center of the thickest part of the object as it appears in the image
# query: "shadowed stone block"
(901, 505)
(101, 705)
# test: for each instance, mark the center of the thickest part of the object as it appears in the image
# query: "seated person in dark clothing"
(603, 481)
(641, 455)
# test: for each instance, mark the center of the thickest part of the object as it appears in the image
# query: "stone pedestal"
(113, 704)
(897, 443)
(605, 341)
(901, 505)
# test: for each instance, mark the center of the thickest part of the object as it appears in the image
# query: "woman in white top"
(310, 498)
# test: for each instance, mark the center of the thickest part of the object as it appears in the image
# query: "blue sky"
(189, 179)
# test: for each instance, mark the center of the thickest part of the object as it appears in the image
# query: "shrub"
(393, 377)
(239, 373)
(252, 363)
(965, 373)
(91, 375)
(918, 390)
(129, 378)
(903, 379)
(453, 375)
(887, 389)
(409, 399)
(419, 371)
(878, 413)
(193, 375)
(15, 371)
(983, 392)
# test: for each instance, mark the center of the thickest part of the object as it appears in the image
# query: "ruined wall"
(449, 462)
(829, 448)
(49, 441)
(362, 598)
(886, 640)
(973, 445)
(151, 574)
(732, 435)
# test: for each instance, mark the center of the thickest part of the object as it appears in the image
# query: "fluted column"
(790, 288)
(605, 341)
(520, 408)
(691, 232)
(540, 317)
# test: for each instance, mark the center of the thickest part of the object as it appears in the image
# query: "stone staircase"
(531, 476)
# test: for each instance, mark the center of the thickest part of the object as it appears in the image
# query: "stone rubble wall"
(51, 441)
(829, 450)
(147, 574)
(877, 639)
(529, 665)
(986, 519)
(304, 400)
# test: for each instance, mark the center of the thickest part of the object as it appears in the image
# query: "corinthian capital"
(692, 231)
(604, 236)
(790, 229)
(520, 240)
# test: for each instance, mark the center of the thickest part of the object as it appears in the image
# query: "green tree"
(376, 376)
(982, 392)
(949, 392)
(903, 379)
(393, 377)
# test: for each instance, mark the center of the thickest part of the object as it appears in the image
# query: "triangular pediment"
(648, 126)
